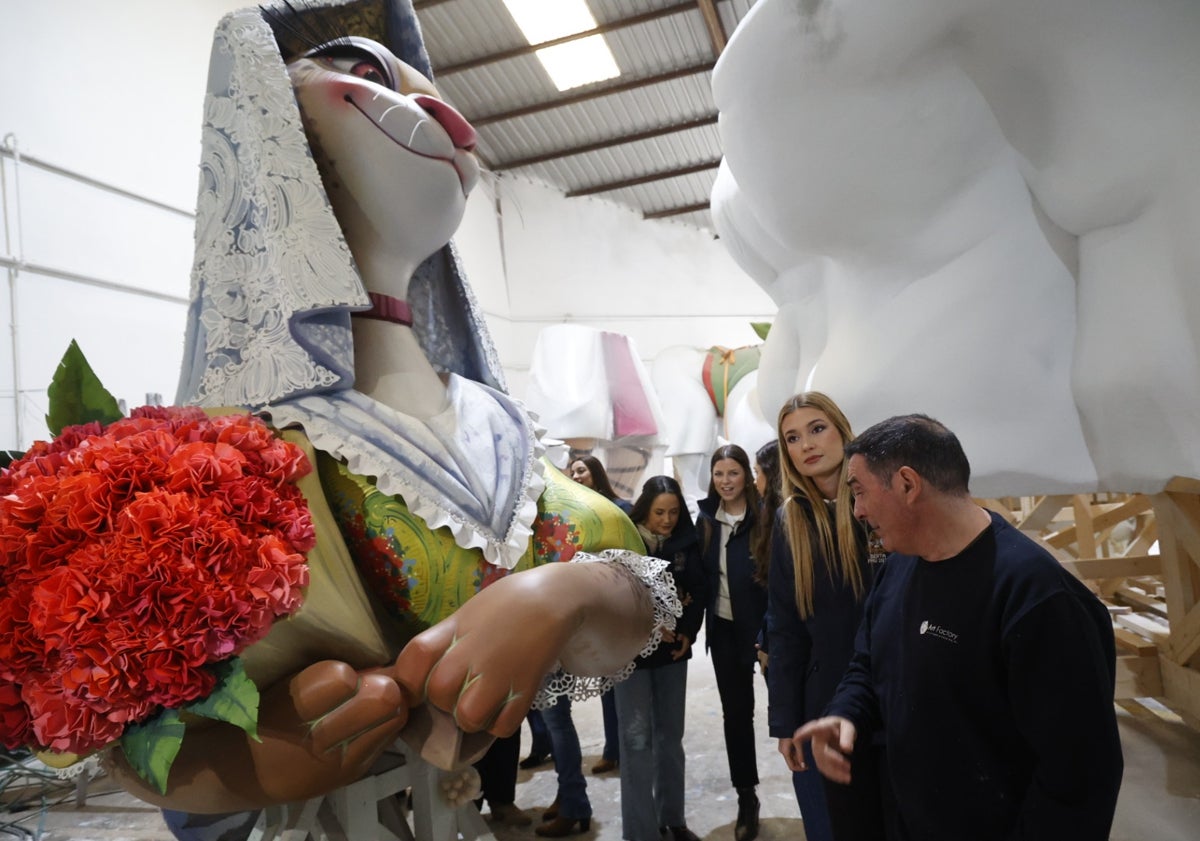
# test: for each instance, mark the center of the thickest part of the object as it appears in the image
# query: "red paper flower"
(132, 558)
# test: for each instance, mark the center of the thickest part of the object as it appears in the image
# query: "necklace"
(387, 308)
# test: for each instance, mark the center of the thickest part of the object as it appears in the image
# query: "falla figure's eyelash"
(305, 29)
(310, 38)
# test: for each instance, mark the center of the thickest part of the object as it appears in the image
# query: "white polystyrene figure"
(691, 418)
(588, 387)
(991, 212)
(744, 421)
(693, 427)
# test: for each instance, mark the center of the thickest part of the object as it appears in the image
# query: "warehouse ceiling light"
(576, 62)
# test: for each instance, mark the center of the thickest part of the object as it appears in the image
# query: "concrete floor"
(1160, 797)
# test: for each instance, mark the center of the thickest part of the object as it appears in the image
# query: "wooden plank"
(1185, 519)
(1136, 709)
(1127, 567)
(1179, 541)
(1173, 554)
(1189, 574)
(1061, 539)
(1185, 639)
(1146, 538)
(1158, 633)
(1127, 641)
(1044, 512)
(1136, 504)
(1181, 686)
(712, 22)
(1138, 677)
(1183, 485)
(1141, 599)
(1085, 531)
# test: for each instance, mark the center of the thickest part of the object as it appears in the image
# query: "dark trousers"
(498, 771)
(612, 730)
(539, 743)
(856, 811)
(734, 671)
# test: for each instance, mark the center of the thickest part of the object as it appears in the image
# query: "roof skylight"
(576, 62)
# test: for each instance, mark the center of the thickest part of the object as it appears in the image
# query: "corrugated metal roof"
(647, 139)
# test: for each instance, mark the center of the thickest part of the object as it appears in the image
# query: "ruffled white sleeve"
(652, 573)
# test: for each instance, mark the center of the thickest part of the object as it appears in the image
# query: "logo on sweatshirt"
(938, 631)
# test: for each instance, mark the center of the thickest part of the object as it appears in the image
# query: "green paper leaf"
(7, 457)
(151, 747)
(234, 700)
(761, 328)
(77, 395)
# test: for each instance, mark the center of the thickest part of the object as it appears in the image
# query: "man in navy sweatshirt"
(988, 666)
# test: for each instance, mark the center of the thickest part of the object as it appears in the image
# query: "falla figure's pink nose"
(455, 124)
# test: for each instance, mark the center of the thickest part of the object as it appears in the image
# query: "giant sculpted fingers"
(357, 713)
(478, 671)
(348, 714)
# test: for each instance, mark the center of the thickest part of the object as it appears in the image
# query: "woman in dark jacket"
(589, 472)
(735, 600)
(819, 577)
(650, 702)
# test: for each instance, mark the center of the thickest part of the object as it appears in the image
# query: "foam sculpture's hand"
(475, 674)
(351, 716)
(318, 730)
(467, 679)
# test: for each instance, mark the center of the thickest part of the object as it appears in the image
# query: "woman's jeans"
(810, 795)
(573, 802)
(650, 709)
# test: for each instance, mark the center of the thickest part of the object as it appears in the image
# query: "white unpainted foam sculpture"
(984, 210)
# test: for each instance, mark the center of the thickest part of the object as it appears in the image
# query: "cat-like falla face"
(396, 160)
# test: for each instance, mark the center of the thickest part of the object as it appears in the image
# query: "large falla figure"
(331, 173)
(983, 210)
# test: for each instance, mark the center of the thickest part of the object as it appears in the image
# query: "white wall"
(592, 262)
(113, 91)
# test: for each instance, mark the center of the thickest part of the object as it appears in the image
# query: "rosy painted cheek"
(335, 93)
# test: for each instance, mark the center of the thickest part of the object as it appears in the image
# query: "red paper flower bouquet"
(137, 559)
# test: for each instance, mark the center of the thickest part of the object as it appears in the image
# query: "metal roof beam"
(675, 211)
(712, 21)
(620, 140)
(597, 93)
(503, 55)
(643, 179)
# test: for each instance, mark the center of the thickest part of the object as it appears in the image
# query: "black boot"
(746, 828)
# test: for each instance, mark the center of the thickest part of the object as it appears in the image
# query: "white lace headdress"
(273, 282)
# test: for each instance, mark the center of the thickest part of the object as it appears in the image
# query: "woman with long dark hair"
(589, 472)
(767, 480)
(735, 602)
(650, 703)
